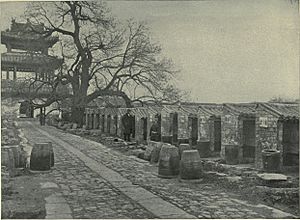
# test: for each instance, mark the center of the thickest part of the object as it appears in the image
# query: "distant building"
(27, 61)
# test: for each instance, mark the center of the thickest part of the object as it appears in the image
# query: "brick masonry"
(268, 134)
(268, 129)
(230, 130)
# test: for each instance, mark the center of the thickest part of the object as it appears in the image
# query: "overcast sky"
(227, 50)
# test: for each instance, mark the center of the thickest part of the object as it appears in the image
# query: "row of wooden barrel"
(173, 161)
(41, 158)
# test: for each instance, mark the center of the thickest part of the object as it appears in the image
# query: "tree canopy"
(103, 56)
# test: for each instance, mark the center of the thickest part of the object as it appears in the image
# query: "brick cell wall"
(267, 135)
(230, 132)
(112, 125)
(183, 130)
(165, 124)
(203, 128)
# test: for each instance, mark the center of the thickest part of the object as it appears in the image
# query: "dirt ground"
(23, 197)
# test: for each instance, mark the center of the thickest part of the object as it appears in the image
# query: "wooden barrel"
(168, 166)
(231, 154)
(51, 154)
(190, 165)
(149, 149)
(183, 147)
(42, 157)
(7, 156)
(17, 155)
(155, 152)
(7, 159)
(23, 158)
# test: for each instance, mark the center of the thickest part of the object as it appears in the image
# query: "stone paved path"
(92, 196)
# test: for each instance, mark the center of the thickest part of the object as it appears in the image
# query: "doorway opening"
(144, 128)
(290, 143)
(97, 121)
(84, 119)
(248, 140)
(92, 121)
(217, 134)
(133, 125)
(103, 123)
(108, 124)
(193, 125)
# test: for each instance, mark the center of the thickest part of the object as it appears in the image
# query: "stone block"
(272, 177)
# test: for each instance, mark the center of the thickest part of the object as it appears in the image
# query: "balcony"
(21, 88)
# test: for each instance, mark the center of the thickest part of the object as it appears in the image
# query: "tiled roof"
(210, 109)
(107, 101)
(25, 27)
(283, 109)
(142, 111)
(243, 108)
(111, 111)
(27, 31)
(206, 108)
(189, 109)
(25, 36)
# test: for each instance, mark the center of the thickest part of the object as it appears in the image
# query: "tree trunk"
(77, 114)
(79, 101)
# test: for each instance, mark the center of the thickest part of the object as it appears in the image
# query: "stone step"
(274, 180)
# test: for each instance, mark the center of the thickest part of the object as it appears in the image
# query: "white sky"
(227, 50)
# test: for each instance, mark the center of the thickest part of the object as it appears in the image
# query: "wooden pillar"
(7, 74)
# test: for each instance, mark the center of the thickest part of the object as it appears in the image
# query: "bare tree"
(103, 57)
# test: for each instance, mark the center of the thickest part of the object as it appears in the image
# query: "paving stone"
(60, 208)
(48, 185)
(55, 199)
(59, 216)
(109, 201)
